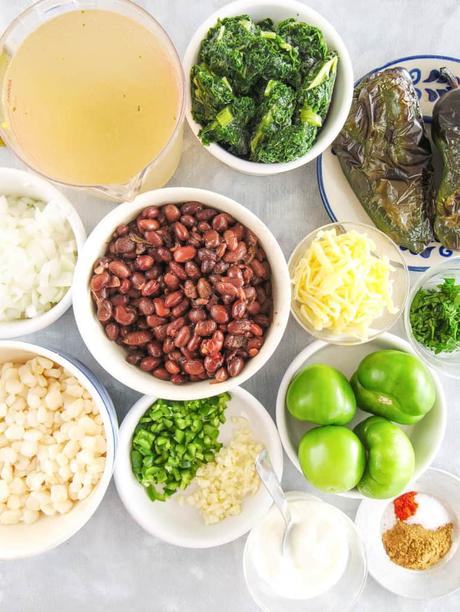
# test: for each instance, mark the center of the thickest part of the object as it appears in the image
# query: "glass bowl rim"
(398, 256)
(429, 358)
(296, 495)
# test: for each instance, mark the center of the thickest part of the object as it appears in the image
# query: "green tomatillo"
(332, 458)
(390, 458)
(322, 395)
(395, 385)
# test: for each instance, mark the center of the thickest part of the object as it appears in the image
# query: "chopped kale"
(275, 112)
(288, 144)
(308, 39)
(225, 51)
(229, 128)
(210, 93)
(266, 24)
(276, 58)
(315, 93)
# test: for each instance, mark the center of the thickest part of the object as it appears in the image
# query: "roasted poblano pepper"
(445, 131)
(386, 157)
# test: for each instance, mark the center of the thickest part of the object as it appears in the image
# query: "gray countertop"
(112, 564)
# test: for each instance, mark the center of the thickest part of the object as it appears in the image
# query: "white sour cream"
(318, 550)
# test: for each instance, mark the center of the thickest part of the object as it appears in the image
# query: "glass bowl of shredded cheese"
(349, 283)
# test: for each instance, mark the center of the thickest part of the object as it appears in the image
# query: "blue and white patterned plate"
(338, 197)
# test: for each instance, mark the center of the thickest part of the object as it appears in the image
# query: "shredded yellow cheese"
(341, 286)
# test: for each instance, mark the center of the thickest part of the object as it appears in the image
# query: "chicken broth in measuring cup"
(92, 97)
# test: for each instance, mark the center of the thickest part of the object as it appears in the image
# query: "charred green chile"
(386, 157)
(446, 136)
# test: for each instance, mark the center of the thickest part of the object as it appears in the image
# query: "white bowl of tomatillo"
(362, 420)
(182, 293)
(185, 470)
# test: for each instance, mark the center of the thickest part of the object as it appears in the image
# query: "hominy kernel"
(4, 490)
(13, 386)
(13, 503)
(58, 493)
(14, 432)
(64, 506)
(53, 400)
(10, 517)
(30, 516)
(7, 473)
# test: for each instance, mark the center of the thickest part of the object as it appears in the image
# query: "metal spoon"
(270, 481)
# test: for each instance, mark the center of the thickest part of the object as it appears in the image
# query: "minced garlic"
(223, 483)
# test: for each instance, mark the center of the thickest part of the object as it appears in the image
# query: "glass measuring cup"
(163, 163)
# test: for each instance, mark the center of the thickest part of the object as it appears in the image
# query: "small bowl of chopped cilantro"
(432, 317)
(270, 85)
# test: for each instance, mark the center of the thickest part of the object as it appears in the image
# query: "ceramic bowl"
(183, 525)
(18, 182)
(443, 578)
(18, 541)
(426, 435)
(112, 357)
(343, 90)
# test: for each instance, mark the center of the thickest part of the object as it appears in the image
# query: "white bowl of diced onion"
(39, 271)
(51, 491)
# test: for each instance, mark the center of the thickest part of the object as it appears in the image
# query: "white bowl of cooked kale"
(270, 85)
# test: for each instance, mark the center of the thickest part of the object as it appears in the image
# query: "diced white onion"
(38, 253)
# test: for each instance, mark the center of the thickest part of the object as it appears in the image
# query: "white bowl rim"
(47, 192)
(384, 502)
(303, 357)
(304, 12)
(104, 352)
(126, 429)
(364, 227)
(111, 434)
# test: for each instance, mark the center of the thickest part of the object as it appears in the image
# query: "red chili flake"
(405, 505)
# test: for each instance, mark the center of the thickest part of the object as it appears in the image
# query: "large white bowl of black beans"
(182, 293)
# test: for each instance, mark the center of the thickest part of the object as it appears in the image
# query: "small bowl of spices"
(412, 541)
(432, 317)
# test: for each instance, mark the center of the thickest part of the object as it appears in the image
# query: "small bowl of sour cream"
(325, 567)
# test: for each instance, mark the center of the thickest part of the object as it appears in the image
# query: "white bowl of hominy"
(58, 435)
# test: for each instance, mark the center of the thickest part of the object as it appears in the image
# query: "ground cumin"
(414, 547)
